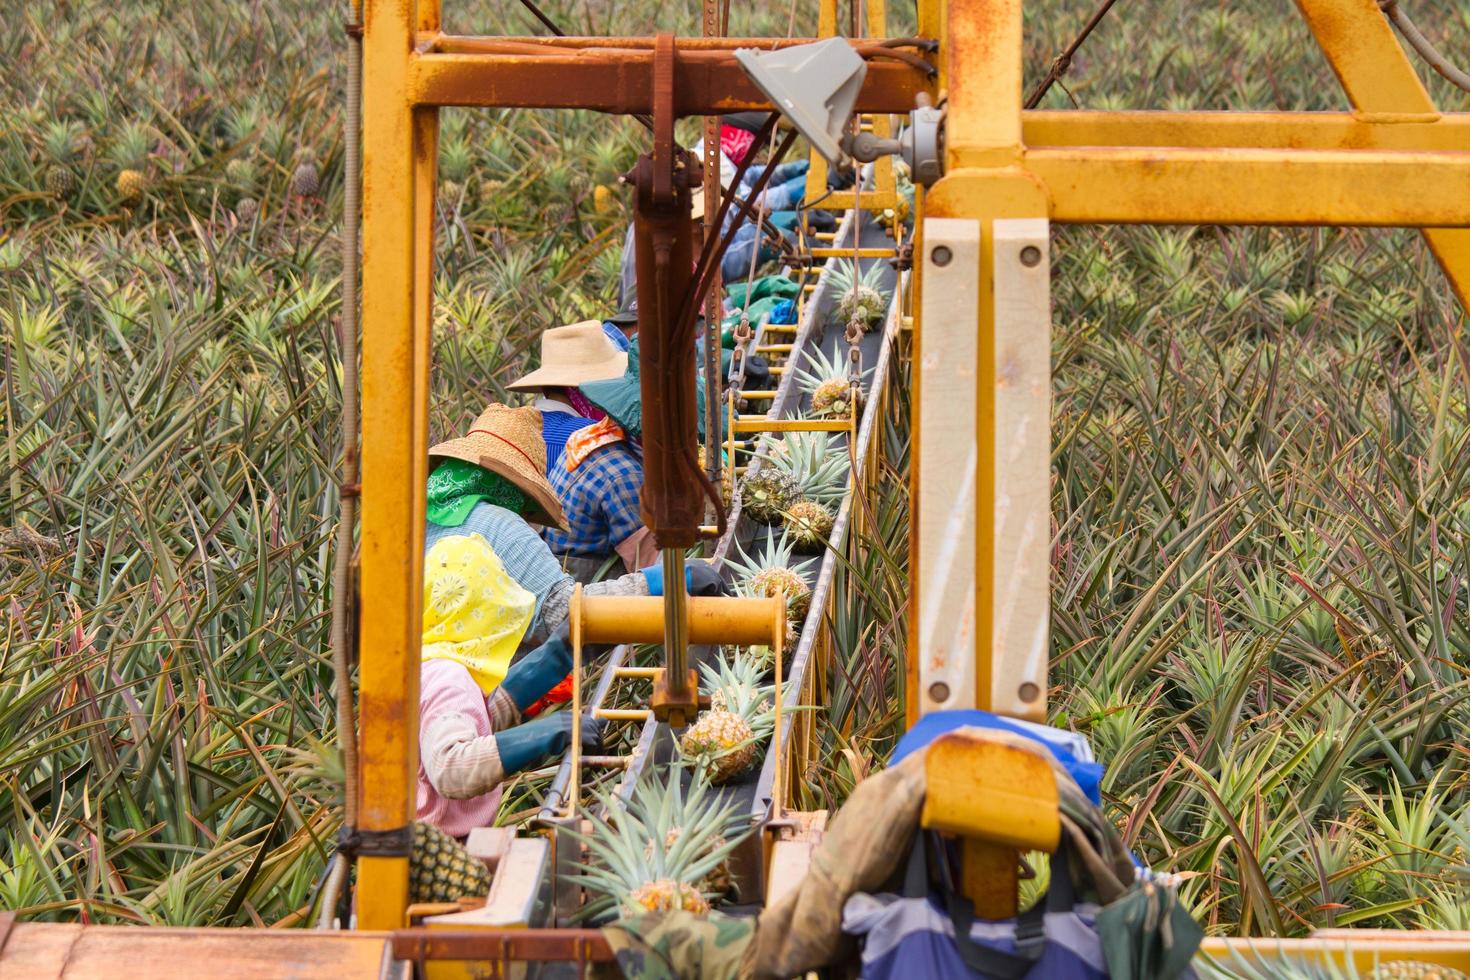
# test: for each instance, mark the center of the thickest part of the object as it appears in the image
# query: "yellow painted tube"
(721, 620)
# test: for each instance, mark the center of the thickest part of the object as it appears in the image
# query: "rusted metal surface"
(1261, 130)
(673, 498)
(706, 82)
(502, 945)
(1165, 185)
(1378, 77)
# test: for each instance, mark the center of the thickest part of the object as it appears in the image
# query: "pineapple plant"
(130, 154)
(809, 524)
(723, 741)
(61, 139)
(825, 382)
(861, 293)
(441, 870)
(771, 572)
(767, 492)
(659, 851)
(305, 180)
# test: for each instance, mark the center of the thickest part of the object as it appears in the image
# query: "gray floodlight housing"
(813, 85)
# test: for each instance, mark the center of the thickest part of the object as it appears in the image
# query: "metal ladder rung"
(775, 348)
(757, 395)
(637, 672)
(623, 714)
(847, 253)
(825, 236)
(780, 328)
(760, 423)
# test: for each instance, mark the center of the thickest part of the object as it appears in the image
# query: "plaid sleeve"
(620, 501)
(600, 500)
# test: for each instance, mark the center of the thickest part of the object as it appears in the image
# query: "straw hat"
(507, 441)
(573, 355)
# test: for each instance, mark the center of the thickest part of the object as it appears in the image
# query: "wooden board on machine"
(40, 950)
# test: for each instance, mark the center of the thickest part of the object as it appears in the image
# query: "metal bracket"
(397, 842)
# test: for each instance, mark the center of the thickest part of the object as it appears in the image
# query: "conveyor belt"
(654, 742)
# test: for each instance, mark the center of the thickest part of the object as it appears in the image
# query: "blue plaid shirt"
(600, 499)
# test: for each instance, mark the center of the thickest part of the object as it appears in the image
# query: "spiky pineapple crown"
(737, 680)
(816, 462)
(633, 846)
(843, 277)
(777, 553)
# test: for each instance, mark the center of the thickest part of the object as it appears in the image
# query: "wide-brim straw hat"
(622, 398)
(573, 355)
(507, 441)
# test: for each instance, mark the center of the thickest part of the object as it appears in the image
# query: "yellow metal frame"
(1394, 160)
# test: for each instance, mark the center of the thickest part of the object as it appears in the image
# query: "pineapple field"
(1261, 577)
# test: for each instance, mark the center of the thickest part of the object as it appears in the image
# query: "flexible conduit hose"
(347, 499)
(1423, 46)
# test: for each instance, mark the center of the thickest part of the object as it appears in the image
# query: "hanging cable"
(1063, 61)
(1423, 46)
(342, 610)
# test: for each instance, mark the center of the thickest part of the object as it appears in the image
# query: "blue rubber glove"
(700, 578)
(539, 671)
(525, 746)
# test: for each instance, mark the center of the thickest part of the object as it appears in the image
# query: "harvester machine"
(956, 361)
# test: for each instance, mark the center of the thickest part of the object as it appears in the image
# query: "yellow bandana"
(583, 442)
(474, 613)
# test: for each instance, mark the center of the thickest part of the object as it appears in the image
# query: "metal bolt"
(1030, 256)
(939, 692)
(941, 255)
(1029, 692)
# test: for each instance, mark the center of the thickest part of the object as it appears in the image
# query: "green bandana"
(456, 486)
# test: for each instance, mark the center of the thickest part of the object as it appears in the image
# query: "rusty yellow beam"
(393, 390)
(1245, 186)
(560, 76)
(1261, 130)
(1378, 77)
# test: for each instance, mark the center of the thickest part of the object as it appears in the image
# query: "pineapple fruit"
(131, 184)
(768, 492)
(861, 293)
(723, 741)
(666, 849)
(825, 382)
(1414, 970)
(809, 524)
(441, 870)
(771, 572)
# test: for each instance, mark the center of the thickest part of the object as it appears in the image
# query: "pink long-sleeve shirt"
(459, 761)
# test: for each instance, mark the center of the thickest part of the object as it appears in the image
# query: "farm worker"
(491, 482)
(471, 697)
(570, 356)
(601, 476)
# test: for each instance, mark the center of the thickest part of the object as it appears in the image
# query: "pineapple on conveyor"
(723, 741)
(767, 492)
(809, 524)
(771, 572)
(662, 851)
(825, 381)
(817, 461)
(441, 870)
(1414, 970)
(859, 293)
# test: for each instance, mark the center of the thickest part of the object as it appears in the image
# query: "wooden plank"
(38, 950)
